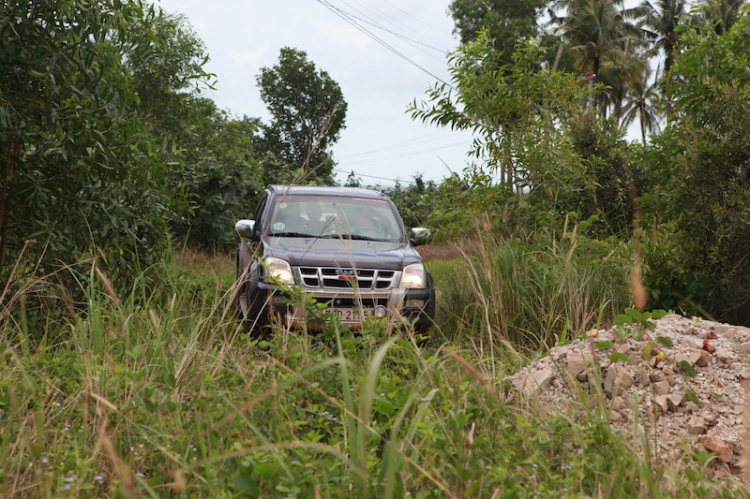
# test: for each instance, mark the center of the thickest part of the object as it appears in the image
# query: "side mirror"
(419, 236)
(245, 228)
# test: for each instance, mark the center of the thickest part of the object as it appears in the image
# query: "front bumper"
(411, 306)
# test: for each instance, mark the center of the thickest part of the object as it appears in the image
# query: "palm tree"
(660, 20)
(623, 67)
(643, 100)
(600, 31)
(721, 13)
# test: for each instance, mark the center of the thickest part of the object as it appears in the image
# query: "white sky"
(380, 139)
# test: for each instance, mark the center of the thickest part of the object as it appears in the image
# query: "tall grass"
(167, 397)
(532, 295)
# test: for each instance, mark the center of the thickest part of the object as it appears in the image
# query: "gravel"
(681, 383)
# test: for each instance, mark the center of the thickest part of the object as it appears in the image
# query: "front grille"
(338, 278)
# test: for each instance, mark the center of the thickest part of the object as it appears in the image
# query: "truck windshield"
(334, 216)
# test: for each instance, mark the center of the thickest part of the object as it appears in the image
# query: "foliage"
(170, 398)
(508, 22)
(308, 112)
(697, 218)
(415, 202)
(219, 171)
(533, 131)
(79, 170)
(534, 293)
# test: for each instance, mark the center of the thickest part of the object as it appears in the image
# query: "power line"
(345, 16)
(390, 158)
(396, 22)
(399, 35)
(401, 181)
(414, 17)
(400, 145)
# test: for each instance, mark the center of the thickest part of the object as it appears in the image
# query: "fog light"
(380, 312)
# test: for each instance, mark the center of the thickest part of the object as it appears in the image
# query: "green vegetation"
(123, 370)
(168, 396)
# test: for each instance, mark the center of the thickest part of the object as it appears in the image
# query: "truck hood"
(313, 252)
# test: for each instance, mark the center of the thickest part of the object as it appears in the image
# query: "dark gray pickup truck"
(346, 247)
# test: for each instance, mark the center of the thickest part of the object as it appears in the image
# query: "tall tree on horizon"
(308, 112)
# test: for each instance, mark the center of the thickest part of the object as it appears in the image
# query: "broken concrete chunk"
(577, 363)
(704, 358)
(717, 445)
(696, 426)
(674, 400)
(536, 381)
(661, 403)
(617, 378)
(661, 387)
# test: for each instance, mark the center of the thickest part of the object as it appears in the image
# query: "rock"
(724, 355)
(745, 374)
(614, 416)
(618, 404)
(745, 347)
(642, 377)
(694, 358)
(657, 376)
(696, 426)
(661, 387)
(536, 381)
(691, 406)
(661, 403)
(674, 400)
(617, 378)
(717, 445)
(704, 358)
(708, 346)
(576, 363)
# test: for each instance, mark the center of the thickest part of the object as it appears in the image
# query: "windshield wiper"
(353, 237)
(291, 234)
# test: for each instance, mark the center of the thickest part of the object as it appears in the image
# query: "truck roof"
(327, 190)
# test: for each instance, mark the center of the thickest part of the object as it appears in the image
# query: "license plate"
(351, 314)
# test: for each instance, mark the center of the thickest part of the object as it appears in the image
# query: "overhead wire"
(389, 158)
(401, 145)
(346, 17)
(397, 23)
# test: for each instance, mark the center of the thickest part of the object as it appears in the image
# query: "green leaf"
(692, 397)
(664, 341)
(648, 349)
(618, 357)
(638, 333)
(622, 319)
(685, 365)
(604, 344)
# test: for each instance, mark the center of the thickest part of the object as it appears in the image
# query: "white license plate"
(351, 314)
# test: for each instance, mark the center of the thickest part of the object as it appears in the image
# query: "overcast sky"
(380, 73)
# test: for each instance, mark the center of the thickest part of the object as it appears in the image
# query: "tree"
(660, 20)
(80, 172)
(597, 30)
(308, 112)
(642, 101)
(698, 216)
(507, 21)
(721, 14)
(220, 173)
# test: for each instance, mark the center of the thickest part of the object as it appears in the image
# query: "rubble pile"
(683, 383)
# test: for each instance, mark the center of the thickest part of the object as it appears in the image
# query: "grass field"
(167, 396)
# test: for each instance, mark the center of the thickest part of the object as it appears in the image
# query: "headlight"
(413, 276)
(279, 271)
